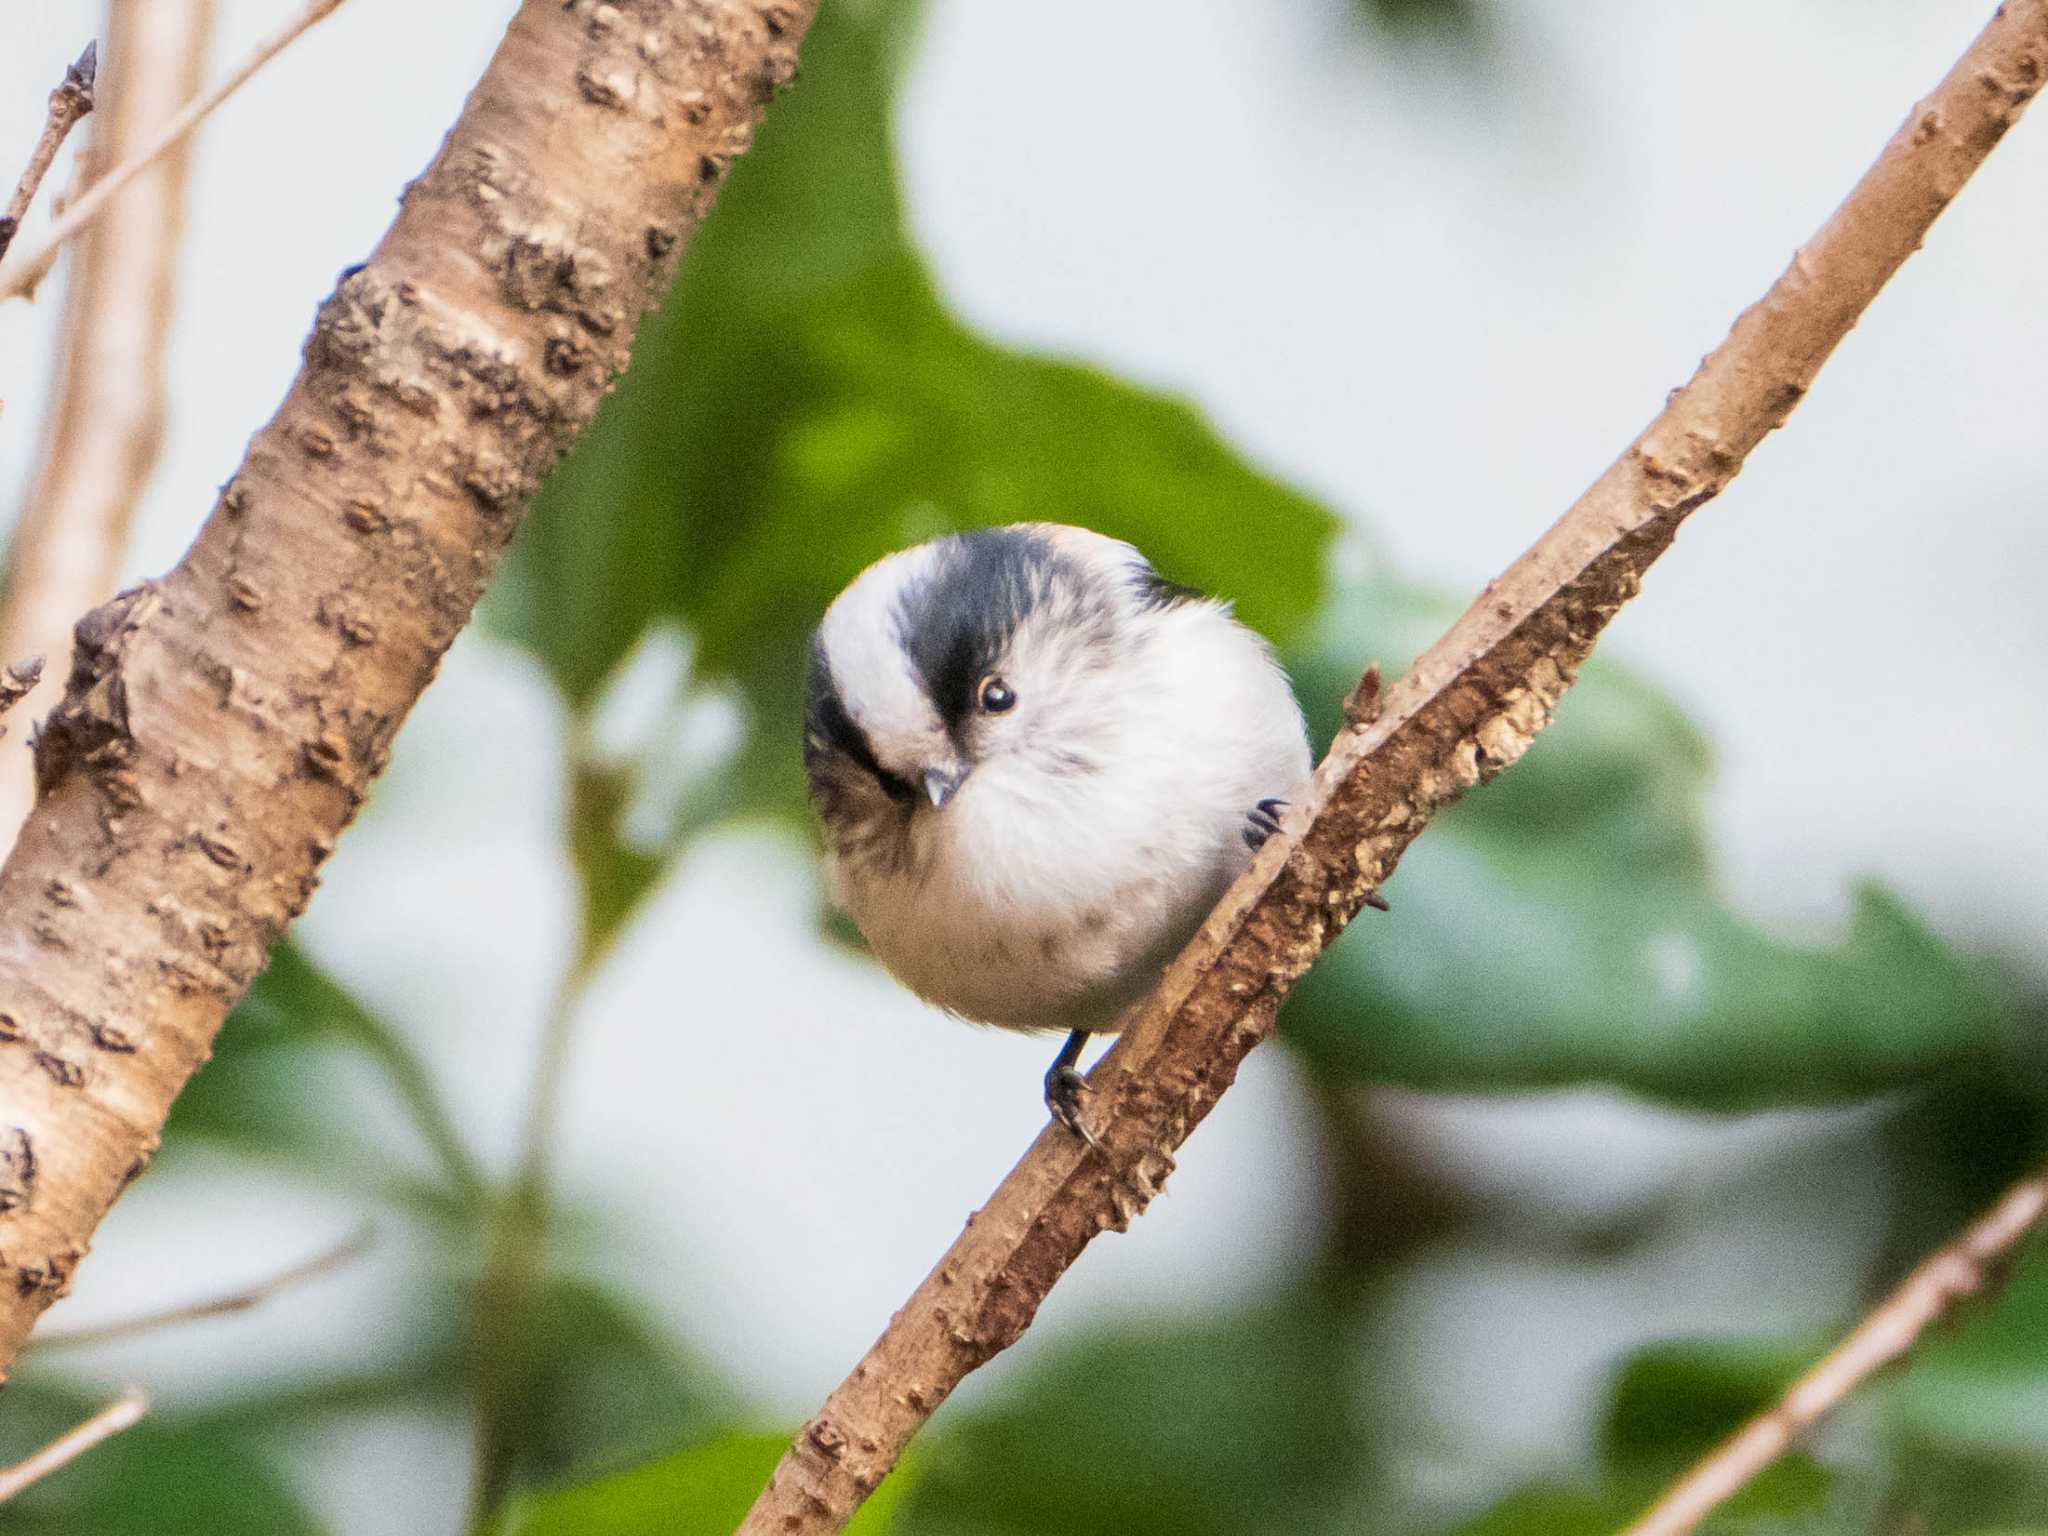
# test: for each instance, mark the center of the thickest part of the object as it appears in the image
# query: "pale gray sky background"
(1442, 310)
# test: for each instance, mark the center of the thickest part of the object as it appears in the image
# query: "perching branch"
(222, 723)
(124, 1412)
(1958, 1270)
(18, 279)
(68, 104)
(318, 1267)
(1469, 707)
(105, 426)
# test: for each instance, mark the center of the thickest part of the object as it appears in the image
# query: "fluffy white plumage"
(1036, 864)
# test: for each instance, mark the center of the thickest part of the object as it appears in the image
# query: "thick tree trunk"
(222, 723)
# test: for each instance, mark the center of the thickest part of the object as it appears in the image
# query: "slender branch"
(122, 1413)
(1468, 708)
(414, 1084)
(538, 1124)
(18, 278)
(1959, 1269)
(512, 1279)
(503, 1350)
(222, 724)
(514, 1269)
(320, 1265)
(104, 431)
(68, 103)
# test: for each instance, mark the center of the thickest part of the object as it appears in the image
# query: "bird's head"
(985, 655)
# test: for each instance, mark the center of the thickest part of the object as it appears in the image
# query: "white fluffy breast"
(1081, 855)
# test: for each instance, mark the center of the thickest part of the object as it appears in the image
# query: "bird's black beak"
(941, 784)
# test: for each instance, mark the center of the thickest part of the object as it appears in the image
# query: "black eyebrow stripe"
(956, 621)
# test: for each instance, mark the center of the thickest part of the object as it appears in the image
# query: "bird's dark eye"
(994, 695)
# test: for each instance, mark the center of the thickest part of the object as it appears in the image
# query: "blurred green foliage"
(704, 1489)
(804, 404)
(174, 1474)
(1567, 925)
(1459, 18)
(1670, 1406)
(1185, 1427)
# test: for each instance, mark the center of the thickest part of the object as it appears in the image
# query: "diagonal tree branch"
(223, 723)
(318, 1267)
(1959, 1269)
(124, 1412)
(69, 103)
(104, 430)
(1468, 708)
(18, 279)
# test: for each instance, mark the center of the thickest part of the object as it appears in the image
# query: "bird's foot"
(1063, 1089)
(1262, 822)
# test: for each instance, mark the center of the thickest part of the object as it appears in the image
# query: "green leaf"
(805, 404)
(278, 1084)
(703, 1490)
(1674, 1402)
(1564, 924)
(1967, 1414)
(163, 1477)
(576, 1379)
(1789, 1498)
(1671, 1404)
(1235, 1423)
(1544, 1509)
(911, 427)
(615, 875)
(626, 528)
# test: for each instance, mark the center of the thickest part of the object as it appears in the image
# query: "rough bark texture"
(1467, 709)
(105, 425)
(222, 723)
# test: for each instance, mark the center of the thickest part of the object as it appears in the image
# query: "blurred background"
(1683, 1040)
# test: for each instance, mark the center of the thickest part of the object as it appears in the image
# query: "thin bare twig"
(1959, 1269)
(68, 103)
(1469, 707)
(18, 278)
(104, 427)
(501, 1311)
(122, 1413)
(320, 1265)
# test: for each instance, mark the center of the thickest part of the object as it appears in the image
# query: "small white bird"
(1038, 764)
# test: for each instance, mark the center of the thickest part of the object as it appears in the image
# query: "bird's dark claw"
(1262, 823)
(1063, 1089)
